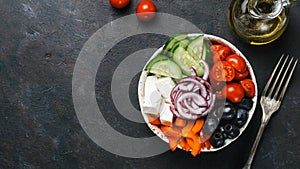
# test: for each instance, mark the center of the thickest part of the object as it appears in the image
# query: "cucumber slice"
(166, 68)
(183, 43)
(171, 41)
(206, 52)
(195, 48)
(186, 62)
(154, 60)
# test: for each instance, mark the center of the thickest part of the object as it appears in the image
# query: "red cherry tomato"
(241, 76)
(214, 53)
(215, 47)
(222, 71)
(237, 62)
(119, 3)
(217, 85)
(233, 92)
(145, 10)
(249, 87)
(219, 52)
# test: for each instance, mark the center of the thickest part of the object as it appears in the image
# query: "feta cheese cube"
(165, 86)
(152, 100)
(166, 115)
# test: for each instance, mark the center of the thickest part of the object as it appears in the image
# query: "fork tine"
(282, 77)
(271, 77)
(287, 82)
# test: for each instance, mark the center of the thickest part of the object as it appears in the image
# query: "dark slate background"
(39, 43)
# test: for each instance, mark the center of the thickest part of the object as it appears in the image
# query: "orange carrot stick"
(187, 147)
(196, 149)
(198, 125)
(154, 121)
(182, 143)
(180, 122)
(170, 131)
(187, 128)
(207, 145)
(194, 142)
(173, 142)
(190, 142)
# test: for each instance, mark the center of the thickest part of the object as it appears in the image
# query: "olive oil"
(258, 22)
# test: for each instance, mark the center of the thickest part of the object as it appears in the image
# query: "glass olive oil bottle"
(259, 22)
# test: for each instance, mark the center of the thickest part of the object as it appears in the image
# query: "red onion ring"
(192, 98)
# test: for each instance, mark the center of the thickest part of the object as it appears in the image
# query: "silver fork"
(272, 96)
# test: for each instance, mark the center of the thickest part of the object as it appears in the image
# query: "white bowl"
(214, 39)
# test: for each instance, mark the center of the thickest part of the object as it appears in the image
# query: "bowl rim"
(212, 38)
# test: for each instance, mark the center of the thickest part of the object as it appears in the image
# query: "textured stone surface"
(39, 43)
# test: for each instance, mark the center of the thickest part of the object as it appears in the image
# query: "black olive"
(217, 113)
(222, 130)
(210, 125)
(246, 103)
(229, 111)
(217, 140)
(241, 117)
(232, 131)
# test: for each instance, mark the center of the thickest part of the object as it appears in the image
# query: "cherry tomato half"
(233, 92)
(237, 62)
(145, 10)
(219, 52)
(241, 76)
(217, 85)
(215, 47)
(222, 71)
(119, 3)
(249, 87)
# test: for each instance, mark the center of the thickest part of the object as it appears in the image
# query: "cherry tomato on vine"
(249, 87)
(119, 3)
(145, 10)
(222, 71)
(237, 62)
(233, 92)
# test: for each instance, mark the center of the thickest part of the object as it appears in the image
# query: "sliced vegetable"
(154, 60)
(220, 52)
(171, 131)
(180, 122)
(187, 128)
(183, 43)
(198, 125)
(194, 142)
(192, 98)
(217, 140)
(182, 143)
(241, 76)
(173, 142)
(206, 52)
(166, 68)
(154, 121)
(237, 62)
(195, 48)
(222, 71)
(171, 41)
(186, 62)
(249, 87)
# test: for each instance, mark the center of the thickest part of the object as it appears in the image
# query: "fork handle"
(264, 122)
